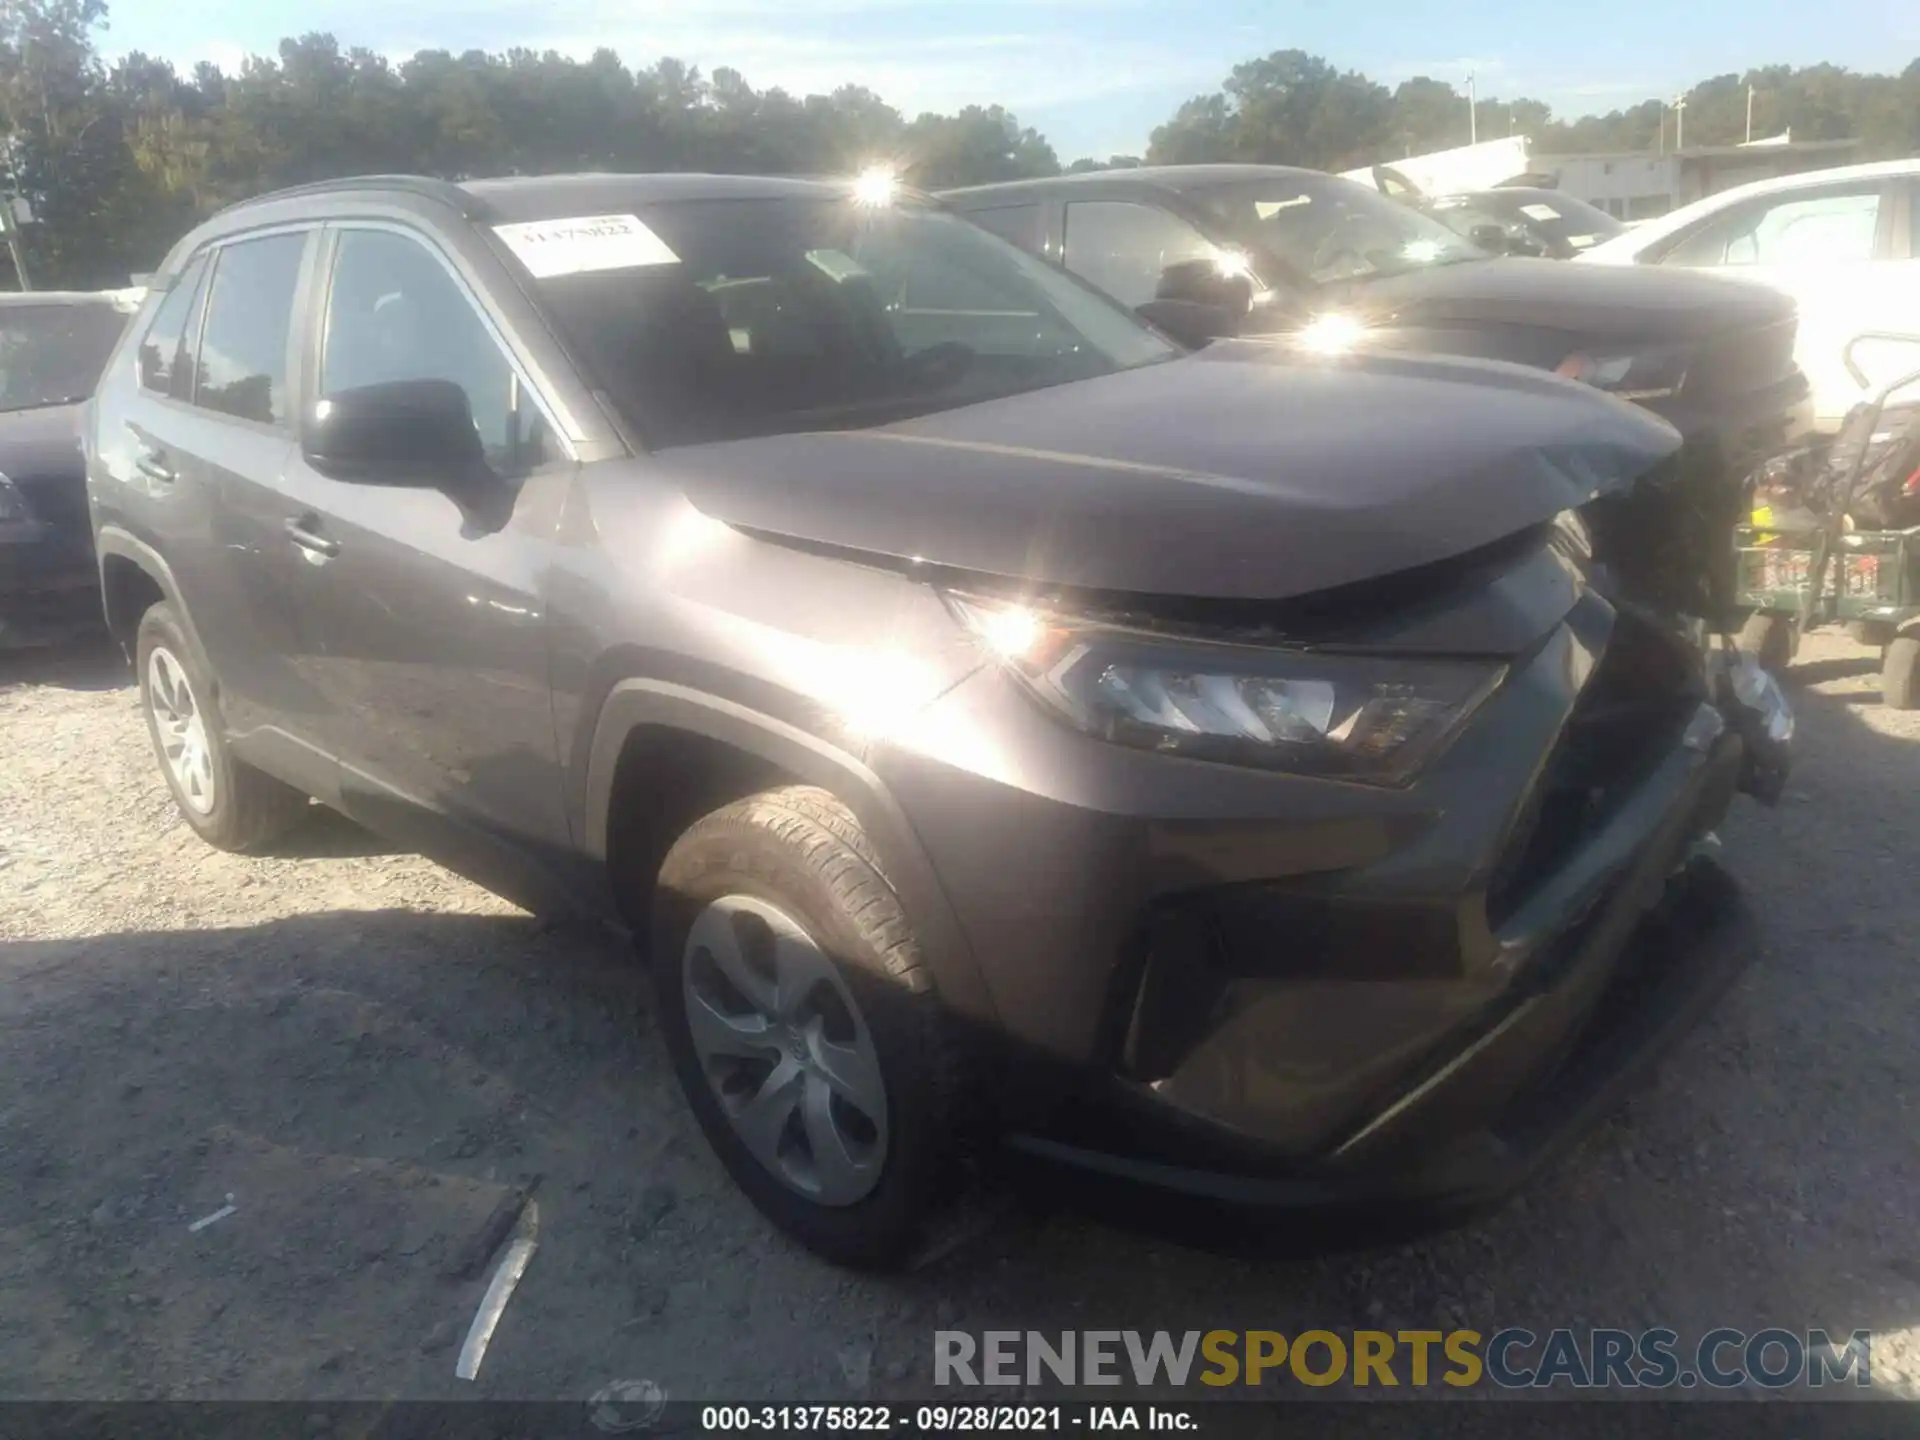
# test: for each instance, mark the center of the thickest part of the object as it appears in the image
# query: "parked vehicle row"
(1844, 243)
(1271, 251)
(1510, 218)
(53, 346)
(1272, 776)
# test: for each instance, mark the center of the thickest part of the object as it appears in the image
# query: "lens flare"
(875, 186)
(1232, 265)
(1012, 633)
(1331, 334)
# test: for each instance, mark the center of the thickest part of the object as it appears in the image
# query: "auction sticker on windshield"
(585, 243)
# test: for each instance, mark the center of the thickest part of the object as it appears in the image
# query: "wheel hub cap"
(180, 726)
(786, 1050)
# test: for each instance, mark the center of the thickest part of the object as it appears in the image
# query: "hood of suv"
(1598, 303)
(1248, 471)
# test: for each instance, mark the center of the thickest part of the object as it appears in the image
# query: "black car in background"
(1205, 251)
(1524, 220)
(53, 346)
(1511, 218)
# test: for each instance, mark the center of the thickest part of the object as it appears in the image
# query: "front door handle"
(301, 533)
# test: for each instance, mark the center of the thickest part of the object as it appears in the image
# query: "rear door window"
(249, 320)
(165, 363)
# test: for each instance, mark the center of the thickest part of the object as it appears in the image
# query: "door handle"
(153, 464)
(301, 535)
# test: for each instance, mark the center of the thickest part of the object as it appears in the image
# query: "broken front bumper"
(1624, 953)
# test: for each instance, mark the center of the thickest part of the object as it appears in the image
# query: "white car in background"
(1844, 243)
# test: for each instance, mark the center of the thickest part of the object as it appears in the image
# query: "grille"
(1628, 716)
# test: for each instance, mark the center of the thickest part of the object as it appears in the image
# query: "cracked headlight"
(1371, 718)
(1641, 375)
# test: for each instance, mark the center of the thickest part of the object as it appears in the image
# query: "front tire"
(224, 800)
(803, 1024)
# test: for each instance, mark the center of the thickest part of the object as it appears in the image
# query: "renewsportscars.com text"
(1513, 1358)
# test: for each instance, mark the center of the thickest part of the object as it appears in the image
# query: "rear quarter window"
(249, 320)
(161, 357)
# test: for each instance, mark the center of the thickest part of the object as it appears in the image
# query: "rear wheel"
(227, 802)
(803, 1024)
(1900, 673)
(1771, 637)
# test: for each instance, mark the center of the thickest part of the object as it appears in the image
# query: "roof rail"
(425, 186)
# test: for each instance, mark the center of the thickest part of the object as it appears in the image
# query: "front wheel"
(803, 1024)
(227, 802)
(1900, 673)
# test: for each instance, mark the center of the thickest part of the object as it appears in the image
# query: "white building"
(1636, 185)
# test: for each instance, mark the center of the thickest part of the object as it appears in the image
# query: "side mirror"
(1202, 282)
(1191, 323)
(402, 432)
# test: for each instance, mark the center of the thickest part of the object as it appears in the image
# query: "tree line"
(117, 160)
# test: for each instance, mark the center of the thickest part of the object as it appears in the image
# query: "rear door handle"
(153, 464)
(301, 533)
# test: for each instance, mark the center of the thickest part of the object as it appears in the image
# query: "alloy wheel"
(182, 728)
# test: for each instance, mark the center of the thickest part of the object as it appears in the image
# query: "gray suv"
(999, 725)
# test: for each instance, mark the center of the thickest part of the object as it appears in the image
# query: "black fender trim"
(636, 702)
(114, 541)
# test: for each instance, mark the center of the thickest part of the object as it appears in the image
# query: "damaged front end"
(1666, 550)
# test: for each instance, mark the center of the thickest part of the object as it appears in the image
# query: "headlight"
(1643, 375)
(1369, 718)
(13, 507)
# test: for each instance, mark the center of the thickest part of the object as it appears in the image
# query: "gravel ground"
(372, 1057)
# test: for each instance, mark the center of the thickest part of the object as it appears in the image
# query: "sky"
(1094, 76)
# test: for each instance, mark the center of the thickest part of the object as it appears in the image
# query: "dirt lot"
(369, 1055)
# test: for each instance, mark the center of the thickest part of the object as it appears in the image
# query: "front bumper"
(1254, 989)
(1620, 987)
(49, 587)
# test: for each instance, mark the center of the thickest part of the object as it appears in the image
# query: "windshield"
(1563, 222)
(779, 315)
(1325, 230)
(53, 354)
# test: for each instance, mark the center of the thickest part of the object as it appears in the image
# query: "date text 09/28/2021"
(943, 1419)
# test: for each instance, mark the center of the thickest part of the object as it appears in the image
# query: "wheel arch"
(647, 718)
(133, 577)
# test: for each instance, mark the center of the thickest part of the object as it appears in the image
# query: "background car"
(52, 348)
(1840, 242)
(1512, 217)
(1524, 220)
(1271, 250)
